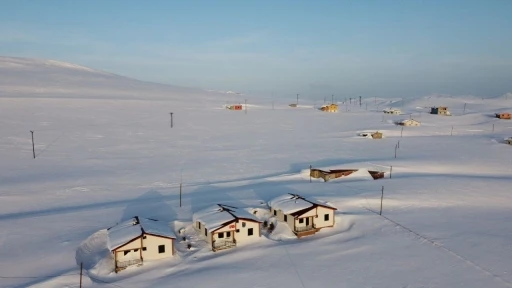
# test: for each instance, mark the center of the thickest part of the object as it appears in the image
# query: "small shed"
(409, 122)
(304, 216)
(373, 135)
(504, 115)
(330, 108)
(441, 110)
(138, 239)
(235, 107)
(225, 226)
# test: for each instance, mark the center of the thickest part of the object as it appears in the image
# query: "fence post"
(390, 172)
(33, 148)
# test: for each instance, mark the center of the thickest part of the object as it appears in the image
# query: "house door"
(307, 221)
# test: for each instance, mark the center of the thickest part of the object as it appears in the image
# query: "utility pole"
(171, 119)
(390, 171)
(381, 199)
(396, 146)
(451, 133)
(181, 184)
(81, 267)
(33, 147)
(310, 173)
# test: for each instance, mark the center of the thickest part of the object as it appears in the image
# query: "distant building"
(504, 115)
(374, 135)
(304, 216)
(235, 107)
(441, 110)
(139, 239)
(293, 105)
(409, 122)
(330, 108)
(225, 226)
(392, 111)
(509, 140)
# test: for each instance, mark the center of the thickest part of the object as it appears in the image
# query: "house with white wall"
(304, 216)
(225, 226)
(409, 122)
(139, 239)
(392, 111)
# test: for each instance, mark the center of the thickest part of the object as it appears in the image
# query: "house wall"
(242, 234)
(152, 242)
(131, 249)
(320, 222)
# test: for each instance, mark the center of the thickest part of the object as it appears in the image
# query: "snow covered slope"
(98, 162)
(24, 77)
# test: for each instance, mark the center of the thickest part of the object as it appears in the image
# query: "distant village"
(222, 226)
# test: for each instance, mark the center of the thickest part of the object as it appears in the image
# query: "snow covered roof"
(292, 203)
(408, 120)
(218, 215)
(132, 228)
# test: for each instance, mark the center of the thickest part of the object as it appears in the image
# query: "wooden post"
(381, 199)
(395, 150)
(398, 144)
(33, 147)
(451, 133)
(81, 267)
(171, 119)
(309, 173)
(390, 172)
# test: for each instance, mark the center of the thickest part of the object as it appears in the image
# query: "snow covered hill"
(37, 78)
(98, 161)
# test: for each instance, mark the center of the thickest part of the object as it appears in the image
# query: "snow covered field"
(447, 206)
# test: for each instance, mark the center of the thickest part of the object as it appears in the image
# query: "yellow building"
(330, 108)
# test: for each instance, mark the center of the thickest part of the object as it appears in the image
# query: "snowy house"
(504, 115)
(441, 110)
(509, 141)
(392, 111)
(304, 216)
(138, 239)
(409, 122)
(330, 108)
(225, 226)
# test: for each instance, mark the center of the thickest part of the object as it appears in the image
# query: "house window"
(161, 249)
(135, 250)
(275, 212)
(249, 232)
(144, 248)
(205, 232)
(237, 230)
(221, 235)
(326, 217)
(301, 220)
(126, 252)
(228, 234)
(285, 218)
(199, 225)
(243, 224)
(144, 237)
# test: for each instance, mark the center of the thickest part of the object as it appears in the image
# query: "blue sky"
(316, 48)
